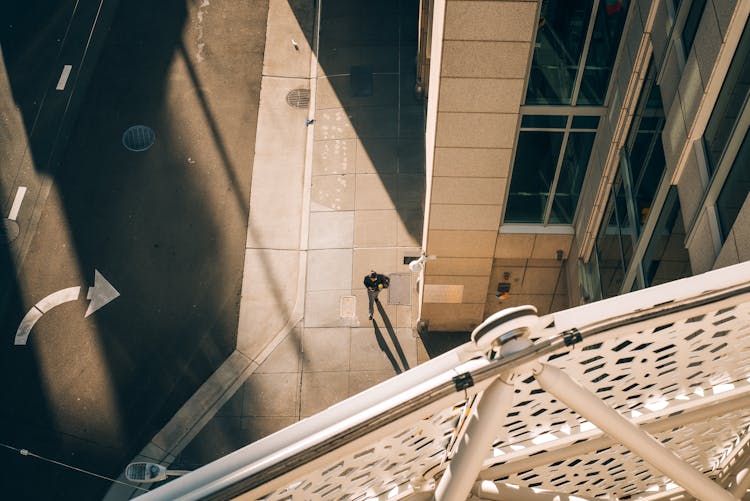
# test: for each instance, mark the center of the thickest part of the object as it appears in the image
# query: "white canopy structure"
(642, 396)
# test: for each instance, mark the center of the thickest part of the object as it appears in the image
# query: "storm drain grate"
(138, 138)
(298, 98)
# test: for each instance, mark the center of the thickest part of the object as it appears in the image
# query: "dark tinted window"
(734, 92)
(533, 173)
(584, 122)
(666, 257)
(736, 188)
(561, 35)
(691, 24)
(569, 183)
(610, 18)
(544, 121)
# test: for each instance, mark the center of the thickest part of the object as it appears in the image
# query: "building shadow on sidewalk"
(394, 340)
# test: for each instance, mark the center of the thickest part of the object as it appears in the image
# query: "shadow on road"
(166, 226)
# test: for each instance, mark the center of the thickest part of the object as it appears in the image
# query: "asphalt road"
(166, 226)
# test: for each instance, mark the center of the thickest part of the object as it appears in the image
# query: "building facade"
(579, 150)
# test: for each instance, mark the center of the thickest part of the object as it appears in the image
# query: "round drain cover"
(298, 98)
(11, 229)
(138, 138)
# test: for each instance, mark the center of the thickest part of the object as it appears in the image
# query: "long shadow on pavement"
(392, 335)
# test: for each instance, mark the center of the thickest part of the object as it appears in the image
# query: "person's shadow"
(384, 345)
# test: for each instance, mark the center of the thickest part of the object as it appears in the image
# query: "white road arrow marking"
(42, 307)
(100, 294)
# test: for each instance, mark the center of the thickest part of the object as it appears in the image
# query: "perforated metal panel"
(641, 375)
(385, 466)
(678, 367)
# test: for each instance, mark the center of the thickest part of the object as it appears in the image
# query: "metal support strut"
(507, 330)
(585, 403)
(476, 443)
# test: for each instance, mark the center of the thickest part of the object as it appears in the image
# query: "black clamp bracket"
(463, 381)
(572, 336)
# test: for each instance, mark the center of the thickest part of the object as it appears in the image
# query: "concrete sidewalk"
(329, 201)
(362, 194)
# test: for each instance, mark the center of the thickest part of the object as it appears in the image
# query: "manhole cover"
(138, 138)
(11, 229)
(298, 98)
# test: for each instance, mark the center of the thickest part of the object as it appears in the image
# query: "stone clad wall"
(484, 59)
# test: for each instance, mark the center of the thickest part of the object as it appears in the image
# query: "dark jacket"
(373, 284)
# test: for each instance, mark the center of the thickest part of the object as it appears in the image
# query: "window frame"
(570, 112)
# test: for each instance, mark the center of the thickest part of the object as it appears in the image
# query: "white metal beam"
(476, 443)
(585, 403)
(578, 444)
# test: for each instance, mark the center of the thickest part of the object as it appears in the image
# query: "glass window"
(733, 94)
(645, 149)
(561, 35)
(575, 161)
(533, 172)
(605, 39)
(691, 24)
(544, 121)
(735, 190)
(537, 158)
(614, 241)
(609, 252)
(666, 257)
(584, 122)
(627, 229)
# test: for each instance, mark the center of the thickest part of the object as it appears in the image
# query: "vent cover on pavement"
(138, 138)
(298, 98)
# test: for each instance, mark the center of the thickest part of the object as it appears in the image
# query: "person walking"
(374, 282)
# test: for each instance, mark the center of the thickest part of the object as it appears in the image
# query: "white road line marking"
(17, 203)
(64, 77)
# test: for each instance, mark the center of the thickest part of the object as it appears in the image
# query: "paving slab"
(376, 228)
(374, 349)
(331, 230)
(337, 92)
(271, 395)
(338, 60)
(333, 192)
(321, 390)
(326, 349)
(288, 22)
(336, 156)
(376, 191)
(286, 357)
(257, 427)
(361, 380)
(323, 309)
(383, 260)
(329, 269)
(378, 156)
(267, 286)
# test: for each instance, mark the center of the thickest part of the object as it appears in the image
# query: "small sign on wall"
(443, 293)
